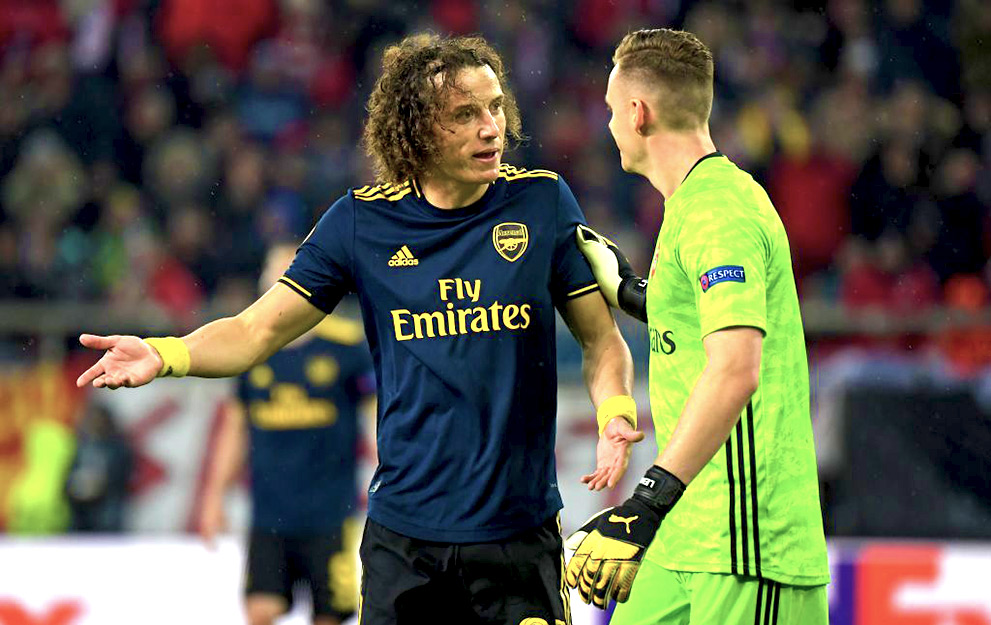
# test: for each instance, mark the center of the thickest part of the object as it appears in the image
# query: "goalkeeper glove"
(611, 545)
(621, 287)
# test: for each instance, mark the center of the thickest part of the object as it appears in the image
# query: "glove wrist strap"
(632, 297)
(659, 490)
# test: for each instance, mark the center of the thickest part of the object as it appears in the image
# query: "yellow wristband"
(617, 406)
(174, 353)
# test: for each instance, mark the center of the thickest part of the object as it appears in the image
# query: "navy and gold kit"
(459, 312)
(301, 406)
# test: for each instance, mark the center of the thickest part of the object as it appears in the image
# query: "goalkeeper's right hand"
(610, 546)
(621, 287)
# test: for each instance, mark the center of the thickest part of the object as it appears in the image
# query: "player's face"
(472, 130)
(621, 122)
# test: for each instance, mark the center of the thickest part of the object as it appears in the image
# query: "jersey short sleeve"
(724, 252)
(572, 277)
(323, 269)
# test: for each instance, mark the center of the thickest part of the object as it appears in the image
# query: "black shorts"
(406, 581)
(277, 564)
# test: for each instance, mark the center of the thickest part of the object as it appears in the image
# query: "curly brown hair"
(680, 64)
(408, 99)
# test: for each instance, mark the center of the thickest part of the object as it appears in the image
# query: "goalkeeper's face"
(622, 122)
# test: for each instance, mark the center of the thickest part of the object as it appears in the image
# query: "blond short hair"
(677, 66)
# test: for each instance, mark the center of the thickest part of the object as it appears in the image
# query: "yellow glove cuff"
(174, 353)
(617, 406)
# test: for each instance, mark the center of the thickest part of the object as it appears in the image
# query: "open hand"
(128, 361)
(612, 454)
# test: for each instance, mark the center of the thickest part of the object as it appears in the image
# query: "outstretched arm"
(221, 348)
(608, 369)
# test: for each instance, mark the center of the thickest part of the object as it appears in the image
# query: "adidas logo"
(403, 258)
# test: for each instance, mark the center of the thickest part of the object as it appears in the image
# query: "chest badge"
(510, 240)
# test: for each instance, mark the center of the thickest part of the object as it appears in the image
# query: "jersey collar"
(709, 155)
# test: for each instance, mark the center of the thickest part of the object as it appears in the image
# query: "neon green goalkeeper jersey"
(722, 259)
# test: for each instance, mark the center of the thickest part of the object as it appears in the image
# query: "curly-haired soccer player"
(725, 527)
(459, 263)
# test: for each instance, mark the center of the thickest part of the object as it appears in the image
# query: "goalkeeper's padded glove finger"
(609, 556)
(620, 285)
(605, 264)
(610, 546)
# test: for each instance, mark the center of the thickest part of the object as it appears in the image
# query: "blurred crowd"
(151, 149)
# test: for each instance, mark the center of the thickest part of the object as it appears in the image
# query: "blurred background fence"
(150, 151)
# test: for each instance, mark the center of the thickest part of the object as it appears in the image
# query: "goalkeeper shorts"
(406, 581)
(664, 597)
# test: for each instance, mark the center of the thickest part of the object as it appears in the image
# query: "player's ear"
(640, 116)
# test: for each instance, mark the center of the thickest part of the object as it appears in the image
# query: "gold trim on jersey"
(392, 193)
(583, 290)
(295, 286)
(387, 191)
(510, 173)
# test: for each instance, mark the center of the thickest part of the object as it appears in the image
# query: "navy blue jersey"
(301, 405)
(458, 307)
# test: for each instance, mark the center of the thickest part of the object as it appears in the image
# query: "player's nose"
(489, 128)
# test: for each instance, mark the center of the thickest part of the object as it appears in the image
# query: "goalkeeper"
(726, 526)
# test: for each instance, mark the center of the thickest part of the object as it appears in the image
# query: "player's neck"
(446, 193)
(671, 155)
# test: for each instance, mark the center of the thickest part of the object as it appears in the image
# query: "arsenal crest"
(510, 240)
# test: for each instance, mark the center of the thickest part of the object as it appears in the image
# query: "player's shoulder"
(534, 186)
(384, 192)
(520, 177)
(335, 329)
(722, 189)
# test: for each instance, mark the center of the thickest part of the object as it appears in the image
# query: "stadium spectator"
(168, 67)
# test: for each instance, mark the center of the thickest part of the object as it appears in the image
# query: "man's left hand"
(612, 454)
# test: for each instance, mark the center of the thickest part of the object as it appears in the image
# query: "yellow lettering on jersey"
(289, 407)
(454, 320)
(509, 314)
(398, 321)
(481, 321)
(423, 324)
(463, 289)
